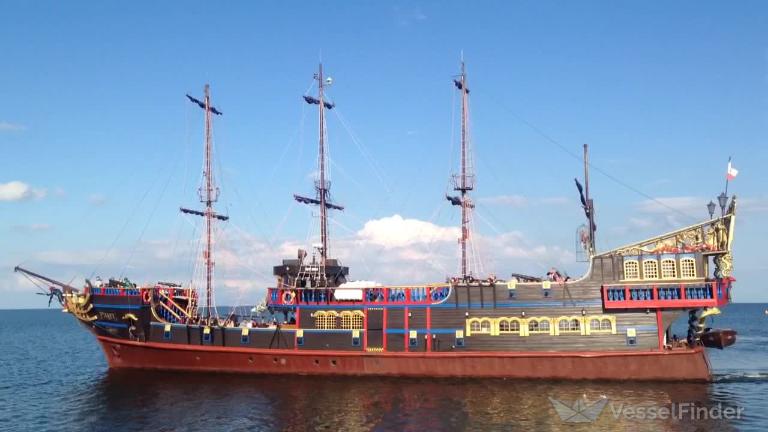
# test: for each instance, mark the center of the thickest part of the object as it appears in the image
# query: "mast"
(464, 182)
(209, 194)
(322, 186)
(590, 205)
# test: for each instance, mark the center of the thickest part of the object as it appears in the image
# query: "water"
(54, 377)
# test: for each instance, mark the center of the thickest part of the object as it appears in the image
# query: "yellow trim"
(459, 334)
(674, 268)
(522, 326)
(579, 319)
(546, 285)
(682, 263)
(300, 333)
(631, 332)
(511, 284)
(652, 262)
(244, 332)
(631, 261)
(539, 320)
(167, 328)
(206, 330)
(412, 334)
(355, 333)
(600, 318)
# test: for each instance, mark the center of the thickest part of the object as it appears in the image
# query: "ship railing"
(112, 291)
(706, 293)
(374, 296)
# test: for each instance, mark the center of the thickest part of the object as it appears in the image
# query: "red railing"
(375, 296)
(661, 295)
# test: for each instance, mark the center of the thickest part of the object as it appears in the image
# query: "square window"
(167, 335)
(355, 341)
(300, 341)
(244, 339)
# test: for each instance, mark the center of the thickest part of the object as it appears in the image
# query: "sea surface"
(53, 376)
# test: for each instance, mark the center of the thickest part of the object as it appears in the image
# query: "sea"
(53, 377)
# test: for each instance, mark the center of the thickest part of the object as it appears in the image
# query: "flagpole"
(728, 176)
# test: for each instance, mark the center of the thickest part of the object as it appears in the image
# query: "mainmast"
(322, 186)
(465, 181)
(209, 194)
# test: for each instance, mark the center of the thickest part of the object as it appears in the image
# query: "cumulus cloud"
(394, 231)
(391, 249)
(19, 191)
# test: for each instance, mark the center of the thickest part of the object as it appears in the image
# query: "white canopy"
(348, 294)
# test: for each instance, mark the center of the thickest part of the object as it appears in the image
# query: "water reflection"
(176, 401)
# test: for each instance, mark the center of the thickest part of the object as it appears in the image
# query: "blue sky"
(96, 130)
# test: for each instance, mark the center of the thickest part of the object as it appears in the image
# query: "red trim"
(384, 330)
(669, 365)
(405, 325)
(298, 326)
(475, 354)
(429, 329)
(660, 329)
(365, 329)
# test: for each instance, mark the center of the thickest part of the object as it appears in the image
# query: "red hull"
(688, 365)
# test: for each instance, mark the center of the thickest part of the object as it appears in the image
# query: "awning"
(348, 294)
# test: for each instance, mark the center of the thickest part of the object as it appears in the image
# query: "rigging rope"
(590, 164)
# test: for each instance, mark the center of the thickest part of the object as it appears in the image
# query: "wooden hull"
(719, 338)
(675, 365)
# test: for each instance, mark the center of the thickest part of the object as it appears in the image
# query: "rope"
(578, 157)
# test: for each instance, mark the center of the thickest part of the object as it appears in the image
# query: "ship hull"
(669, 365)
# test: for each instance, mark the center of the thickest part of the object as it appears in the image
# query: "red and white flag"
(732, 172)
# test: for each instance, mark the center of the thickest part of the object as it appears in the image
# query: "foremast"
(322, 184)
(464, 182)
(209, 194)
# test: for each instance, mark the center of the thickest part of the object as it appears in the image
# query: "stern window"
(688, 268)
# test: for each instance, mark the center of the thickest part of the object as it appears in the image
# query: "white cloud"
(684, 204)
(32, 227)
(394, 231)
(392, 249)
(405, 16)
(19, 191)
(97, 199)
(11, 127)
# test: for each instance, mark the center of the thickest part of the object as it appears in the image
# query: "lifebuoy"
(288, 297)
(146, 296)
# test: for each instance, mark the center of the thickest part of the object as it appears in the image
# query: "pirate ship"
(613, 323)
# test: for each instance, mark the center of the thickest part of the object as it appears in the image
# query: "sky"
(100, 147)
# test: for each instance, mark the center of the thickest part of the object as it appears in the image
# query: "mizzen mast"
(209, 194)
(465, 180)
(322, 185)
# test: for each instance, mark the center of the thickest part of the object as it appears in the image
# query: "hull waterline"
(670, 365)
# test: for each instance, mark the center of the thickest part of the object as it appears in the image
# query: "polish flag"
(732, 172)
